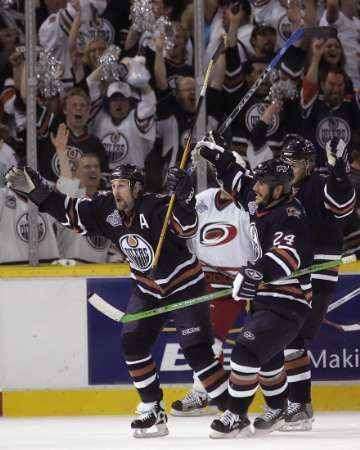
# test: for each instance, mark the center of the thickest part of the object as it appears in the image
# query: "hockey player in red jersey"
(222, 228)
(133, 220)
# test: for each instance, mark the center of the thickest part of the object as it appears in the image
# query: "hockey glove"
(212, 149)
(179, 182)
(338, 156)
(28, 182)
(246, 283)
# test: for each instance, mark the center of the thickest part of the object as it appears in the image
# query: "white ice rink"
(340, 431)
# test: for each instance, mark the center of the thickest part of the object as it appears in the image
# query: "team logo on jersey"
(98, 243)
(291, 211)
(73, 154)
(253, 114)
(116, 147)
(114, 219)
(138, 251)
(284, 27)
(217, 233)
(255, 241)
(253, 274)
(23, 228)
(330, 127)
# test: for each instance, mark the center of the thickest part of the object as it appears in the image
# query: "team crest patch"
(137, 250)
(291, 211)
(114, 219)
(201, 207)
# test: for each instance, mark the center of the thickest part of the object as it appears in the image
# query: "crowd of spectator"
(96, 123)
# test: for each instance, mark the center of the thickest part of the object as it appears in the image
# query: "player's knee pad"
(135, 343)
(295, 349)
(242, 356)
(198, 356)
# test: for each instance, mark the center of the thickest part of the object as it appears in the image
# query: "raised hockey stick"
(311, 32)
(116, 314)
(298, 34)
(186, 152)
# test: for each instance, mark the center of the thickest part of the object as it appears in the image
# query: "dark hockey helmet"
(128, 172)
(275, 172)
(297, 148)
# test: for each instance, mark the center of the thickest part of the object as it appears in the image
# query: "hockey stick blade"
(339, 326)
(320, 32)
(104, 307)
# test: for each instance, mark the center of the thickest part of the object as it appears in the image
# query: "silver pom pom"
(163, 25)
(110, 68)
(6, 4)
(142, 16)
(49, 72)
(281, 90)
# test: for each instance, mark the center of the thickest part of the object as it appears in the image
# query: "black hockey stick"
(116, 314)
(186, 152)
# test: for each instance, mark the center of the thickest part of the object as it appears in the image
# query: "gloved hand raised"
(179, 182)
(28, 182)
(246, 283)
(338, 156)
(213, 149)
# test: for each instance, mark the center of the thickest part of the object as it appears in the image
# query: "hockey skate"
(271, 420)
(298, 417)
(194, 403)
(152, 421)
(229, 426)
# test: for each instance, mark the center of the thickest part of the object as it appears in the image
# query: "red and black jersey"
(137, 237)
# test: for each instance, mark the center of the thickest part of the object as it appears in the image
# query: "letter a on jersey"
(143, 222)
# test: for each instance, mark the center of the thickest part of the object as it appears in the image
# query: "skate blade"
(244, 433)
(276, 427)
(207, 411)
(303, 425)
(158, 430)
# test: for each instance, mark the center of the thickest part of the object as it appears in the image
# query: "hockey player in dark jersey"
(133, 220)
(327, 202)
(279, 229)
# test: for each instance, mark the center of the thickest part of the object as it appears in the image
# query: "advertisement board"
(334, 354)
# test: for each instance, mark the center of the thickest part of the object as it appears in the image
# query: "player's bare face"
(299, 169)
(76, 112)
(263, 195)
(123, 195)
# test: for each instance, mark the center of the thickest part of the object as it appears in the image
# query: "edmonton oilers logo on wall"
(23, 228)
(217, 233)
(138, 251)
